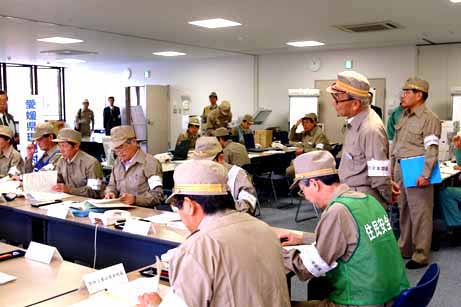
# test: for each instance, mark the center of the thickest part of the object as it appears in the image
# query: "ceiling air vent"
(370, 27)
(68, 52)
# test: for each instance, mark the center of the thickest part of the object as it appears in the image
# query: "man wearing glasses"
(365, 165)
(416, 134)
(354, 243)
(136, 176)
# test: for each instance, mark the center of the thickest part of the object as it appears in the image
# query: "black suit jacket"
(111, 118)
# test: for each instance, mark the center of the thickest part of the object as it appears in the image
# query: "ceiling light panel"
(169, 53)
(305, 44)
(215, 23)
(60, 40)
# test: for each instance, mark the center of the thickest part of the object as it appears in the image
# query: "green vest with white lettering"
(374, 274)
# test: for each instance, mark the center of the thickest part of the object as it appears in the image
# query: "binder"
(412, 168)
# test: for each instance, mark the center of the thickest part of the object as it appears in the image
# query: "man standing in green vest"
(354, 243)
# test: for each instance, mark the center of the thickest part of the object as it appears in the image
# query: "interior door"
(158, 114)
(327, 113)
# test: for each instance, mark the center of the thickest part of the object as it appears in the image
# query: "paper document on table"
(4, 278)
(108, 203)
(39, 181)
(177, 225)
(9, 186)
(46, 196)
(164, 218)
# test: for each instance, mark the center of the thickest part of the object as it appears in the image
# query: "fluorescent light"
(70, 61)
(215, 23)
(60, 40)
(455, 1)
(169, 53)
(305, 44)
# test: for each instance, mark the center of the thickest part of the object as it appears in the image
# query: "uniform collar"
(227, 143)
(53, 149)
(340, 190)
(210, 220)
(356, 121)
(418, 111)
(7, 152)
(73, 159)
(139, 156)
(313, 131)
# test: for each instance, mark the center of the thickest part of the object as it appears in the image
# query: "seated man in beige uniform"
(234, 153)
(191, 133)
(220, 117)
(78, 172)
(243, 128)
(136, 176)
(219, 264)
(312, 137)
(240, 185)
(44, 135)
(354, 243)
(11, 162)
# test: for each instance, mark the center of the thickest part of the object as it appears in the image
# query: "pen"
(8, 255)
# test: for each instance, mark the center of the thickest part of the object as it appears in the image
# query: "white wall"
(441, 66)
(230, 77)
(278, 73)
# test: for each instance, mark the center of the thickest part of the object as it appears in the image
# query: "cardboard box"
(263, 137)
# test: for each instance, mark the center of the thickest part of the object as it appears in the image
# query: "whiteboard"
(456, 114)
(301, 105)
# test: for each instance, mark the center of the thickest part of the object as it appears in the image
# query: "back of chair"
(420, 295)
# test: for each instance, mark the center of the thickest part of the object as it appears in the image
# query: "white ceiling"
(125, 31)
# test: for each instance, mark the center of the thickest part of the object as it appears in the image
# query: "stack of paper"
(46, 196)
(5, 278)
(164, 218)
(40, 181)
(9, 186)
(108, 203)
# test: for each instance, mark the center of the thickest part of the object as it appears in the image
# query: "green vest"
(374, 274)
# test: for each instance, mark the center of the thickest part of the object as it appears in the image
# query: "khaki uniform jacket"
(221, 265)
(410, 134)
(333, 239)
(8, 159)
(83, 175)
(366, 140)
(312, 140)
(143, 179)
(207, 110)
(29, 166)
(235, 154)
(217, 120)
(240, 132)
(84, 122)
(186, 136)
(240, 184)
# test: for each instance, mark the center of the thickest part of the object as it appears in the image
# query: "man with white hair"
(365, 165)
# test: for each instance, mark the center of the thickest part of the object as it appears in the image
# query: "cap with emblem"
(194, 121)
(221, 132)
(311, 116)
(206, 148)
(213, 94)
(313, 164)
(202, 177)
(120, 134)
(43, 129)
(416, 83)
(225, 107)
(68, 135)
(6, 131)
(352, 83)
(248, 118)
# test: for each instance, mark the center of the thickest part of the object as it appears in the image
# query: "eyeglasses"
(341, 97)
(406, 92)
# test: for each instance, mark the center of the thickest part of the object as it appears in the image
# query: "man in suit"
(112, 116)
(6, 119)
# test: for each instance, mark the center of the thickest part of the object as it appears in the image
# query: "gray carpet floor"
(448, 292)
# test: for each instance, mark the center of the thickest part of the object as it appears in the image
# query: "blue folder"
(412, 168)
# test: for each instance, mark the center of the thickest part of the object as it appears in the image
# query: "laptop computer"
(181, 150)
(250, 143)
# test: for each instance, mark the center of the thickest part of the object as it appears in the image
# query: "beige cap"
(199, 178)
(312, 116)
(6, 131)
(120, 135)
(352, 83)
(206, 148)
(225, 107)
(43, 129)
(86, 101)
(221, 132)
(416, 83)
(68, 135)
(313, 164)
(248, 118)
(194, 121)
(213, 94)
